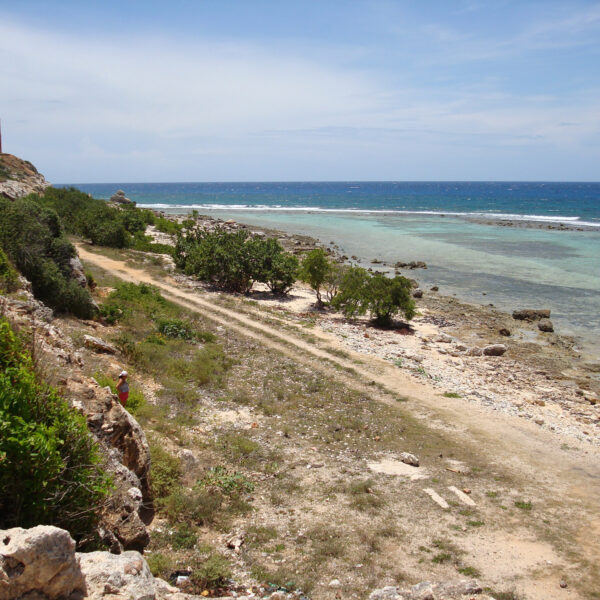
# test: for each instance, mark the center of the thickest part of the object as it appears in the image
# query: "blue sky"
(226, 90)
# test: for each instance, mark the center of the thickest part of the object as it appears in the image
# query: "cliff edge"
(19, 178)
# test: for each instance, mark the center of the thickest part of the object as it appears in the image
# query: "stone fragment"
(409, 459)
(98, 345)
(462, 496)
(418, 293)
(436, 498)
(546, 326)
(495, 350)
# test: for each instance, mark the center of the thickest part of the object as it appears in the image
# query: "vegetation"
(33, 239)
(233, 261)
(314, 270)
(382, 297)
(9, 278)
(50, 471)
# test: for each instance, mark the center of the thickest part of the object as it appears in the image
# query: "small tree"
(333, 280)
(361, 292)
(387, 297)
(314, 270)
(273, 266)
(351, 299)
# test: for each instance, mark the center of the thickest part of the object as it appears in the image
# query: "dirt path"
(571, 478)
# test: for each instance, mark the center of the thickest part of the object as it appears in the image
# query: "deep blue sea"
(454, 227)
(554, 201)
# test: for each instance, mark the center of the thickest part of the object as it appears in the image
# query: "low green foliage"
(184, 537)
(451, 395)
(314, 270)
(102, 223)
(9, 278)
(175, 328)
(212, 571)
(233, 261)
(50, 469)
(33, 239)
(226, 482)
(165, 471)
(161, 565)
(382, 297)
(523, 505)
(167, 226)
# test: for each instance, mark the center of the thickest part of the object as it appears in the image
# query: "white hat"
(123, 374)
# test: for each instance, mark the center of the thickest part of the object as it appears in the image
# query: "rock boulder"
(531, 314)
(546, 325)
(495, 350)
(39, 563)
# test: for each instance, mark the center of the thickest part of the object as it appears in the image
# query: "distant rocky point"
(19, 178)
(119, 198)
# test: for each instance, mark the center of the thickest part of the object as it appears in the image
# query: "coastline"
(542, 377)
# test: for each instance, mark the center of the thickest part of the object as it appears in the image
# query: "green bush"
(102, 223)
(212, 572)
(184, 538)
(233, 261)
(9, 278)
(381, 296)
(314, 270)
(50, 471)
(226, 482)
(33, 240)
(165, 471)
(175, 328)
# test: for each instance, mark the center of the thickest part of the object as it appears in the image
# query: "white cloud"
(151, 107)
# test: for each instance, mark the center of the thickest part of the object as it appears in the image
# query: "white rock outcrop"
(40, 560)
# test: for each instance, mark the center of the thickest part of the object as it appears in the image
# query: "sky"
(302, 90)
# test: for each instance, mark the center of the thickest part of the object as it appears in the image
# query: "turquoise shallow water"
(515, 267)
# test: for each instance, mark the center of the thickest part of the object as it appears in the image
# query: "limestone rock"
(77, 272)
(39, 562)
(495, 350)
(546, 325)
(418, 293)
(98, 345)
(125, 575)
(531, 314)
(474, 351)
(426, 590)
(409, 459)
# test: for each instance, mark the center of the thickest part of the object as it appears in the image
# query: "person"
(123, 388)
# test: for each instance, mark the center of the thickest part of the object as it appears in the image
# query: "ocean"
(455, 227)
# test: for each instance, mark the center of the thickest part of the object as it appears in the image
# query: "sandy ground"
(557, 457)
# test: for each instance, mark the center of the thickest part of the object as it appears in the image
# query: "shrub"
(33, 240)
(233, 261)
(9, 278)
(165, 471)
(314, 270)
(198, 506)
(184, 537)
(272, 265)
(230, 484)
(50, 470)
(213, 571)
(360, 292)
(175, 328)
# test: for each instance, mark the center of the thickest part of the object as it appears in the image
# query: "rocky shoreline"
(540, 376)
